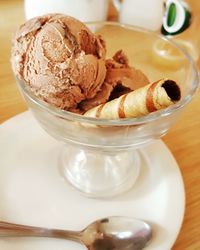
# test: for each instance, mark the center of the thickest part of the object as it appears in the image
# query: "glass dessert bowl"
(100, 157)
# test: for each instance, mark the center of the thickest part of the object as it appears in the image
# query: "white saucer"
(33, 192)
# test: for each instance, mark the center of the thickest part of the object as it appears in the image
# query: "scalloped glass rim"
(125, 121)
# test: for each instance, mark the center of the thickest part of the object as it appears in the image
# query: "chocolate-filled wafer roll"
(152, 97)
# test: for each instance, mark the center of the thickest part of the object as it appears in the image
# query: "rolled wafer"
(154, 96)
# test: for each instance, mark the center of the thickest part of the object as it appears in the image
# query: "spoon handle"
(15, 230)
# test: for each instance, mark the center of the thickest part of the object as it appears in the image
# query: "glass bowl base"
(98, 173)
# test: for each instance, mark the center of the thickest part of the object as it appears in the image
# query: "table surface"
(183, 139)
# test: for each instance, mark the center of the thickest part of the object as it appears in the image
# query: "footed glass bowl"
(100, 157)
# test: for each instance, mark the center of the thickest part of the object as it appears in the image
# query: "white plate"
(33, 192)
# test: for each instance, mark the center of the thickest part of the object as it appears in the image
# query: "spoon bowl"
(111, 233)
(120, 233)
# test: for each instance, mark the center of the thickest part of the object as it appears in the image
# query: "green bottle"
(177, 17)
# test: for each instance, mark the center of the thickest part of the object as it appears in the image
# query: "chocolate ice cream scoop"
(120, 79)
(60, 59)
(122, 76)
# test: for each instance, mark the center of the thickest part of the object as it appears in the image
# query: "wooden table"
(183, 139)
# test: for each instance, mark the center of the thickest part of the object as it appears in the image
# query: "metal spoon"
(112, 233)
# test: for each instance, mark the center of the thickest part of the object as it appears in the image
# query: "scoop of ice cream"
(60, 59)
(122, 76)
(120, 79)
